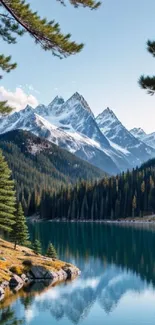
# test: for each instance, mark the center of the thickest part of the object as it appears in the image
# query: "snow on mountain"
(79, 144)
(74, 115)
(114, 130)
(103, 142)
(138, 133)
(148, 139)
(54, 106)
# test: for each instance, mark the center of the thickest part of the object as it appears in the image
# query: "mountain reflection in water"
(118, 274)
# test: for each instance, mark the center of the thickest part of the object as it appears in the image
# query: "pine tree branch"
(6, 16)
(85, 3)
(5, 108)
(147, 83)
(16, 17)
(151, 47)
(5, 64)
(47, 34)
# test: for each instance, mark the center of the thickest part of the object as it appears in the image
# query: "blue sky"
(105, 72)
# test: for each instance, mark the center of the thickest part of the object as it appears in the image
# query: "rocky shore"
(23, 268)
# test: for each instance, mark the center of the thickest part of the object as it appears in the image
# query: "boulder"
(15, 281)
(1, 291)
(4, 284)
(62, 275)
(40, 272)
(24, 278)
(71, 272)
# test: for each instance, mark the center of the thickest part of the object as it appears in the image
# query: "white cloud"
(30, 314)
(17, 99)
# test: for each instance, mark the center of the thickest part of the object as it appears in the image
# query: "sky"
(106, 72)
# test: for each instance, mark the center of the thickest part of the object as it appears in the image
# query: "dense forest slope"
(128, 194)
(39, 166)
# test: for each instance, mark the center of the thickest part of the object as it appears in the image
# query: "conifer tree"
(84, 208)
(37, 246)
(152, 199)
(20, 233)
(51, 252)
(17, 18)
(7, 197)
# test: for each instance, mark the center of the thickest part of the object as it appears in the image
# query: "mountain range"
(102, 141)
(148, 139)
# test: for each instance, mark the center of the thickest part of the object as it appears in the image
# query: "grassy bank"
(11, 261)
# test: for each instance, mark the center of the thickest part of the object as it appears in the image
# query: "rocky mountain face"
(148, 139)
(76, 143)
(102, 141)
(74, 115)
(114, 130)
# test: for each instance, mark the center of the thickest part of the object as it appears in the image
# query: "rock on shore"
(38, 273)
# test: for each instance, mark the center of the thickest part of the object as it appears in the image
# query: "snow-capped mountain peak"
(27, 110)
(115, 131)
(57, 101)
(138, 132)
(74, 115)
(108, 122)
(148, 139)
(77, 99)
(108, 113)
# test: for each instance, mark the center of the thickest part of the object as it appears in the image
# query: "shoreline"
(22, 268)
(137, 220)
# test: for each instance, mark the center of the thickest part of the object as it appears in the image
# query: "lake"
(117, 282)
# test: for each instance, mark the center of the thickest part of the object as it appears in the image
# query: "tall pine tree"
(20, 233)
(7, 197)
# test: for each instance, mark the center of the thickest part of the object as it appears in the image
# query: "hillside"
(130, 194)
(39, 166)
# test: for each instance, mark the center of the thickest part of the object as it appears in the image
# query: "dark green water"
(117, 284)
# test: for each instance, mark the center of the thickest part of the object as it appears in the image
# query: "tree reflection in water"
(114, 260)
(8, 317)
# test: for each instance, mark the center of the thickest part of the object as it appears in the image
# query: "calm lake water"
(117, 284)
